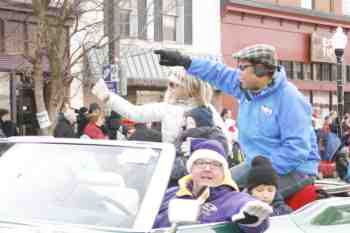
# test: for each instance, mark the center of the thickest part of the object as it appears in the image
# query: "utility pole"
(113, 30)
(112, 26)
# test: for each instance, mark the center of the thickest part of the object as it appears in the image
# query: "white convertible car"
(73, 185)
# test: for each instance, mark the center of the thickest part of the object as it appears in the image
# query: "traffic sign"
(110, 75)
(110, 72)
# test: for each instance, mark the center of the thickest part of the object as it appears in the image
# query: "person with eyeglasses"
(198, 124)
(184, 92)
(274, 118)
(209, 182)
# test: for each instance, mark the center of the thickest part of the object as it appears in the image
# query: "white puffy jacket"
(170, 115)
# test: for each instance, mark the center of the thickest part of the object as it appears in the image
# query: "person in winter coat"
(347, 177)
(116, 130)
(210, 183)
(96, 120)
(64, 127)
(2, 133)
(342, 162)
(274, 119)
(262, 183)
(198, 124)
(143, 133)
(82, 120)
(184, 92)
(230, 123)
(7, 126)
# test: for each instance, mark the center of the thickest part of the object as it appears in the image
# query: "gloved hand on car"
(253, 213)
(173, 58)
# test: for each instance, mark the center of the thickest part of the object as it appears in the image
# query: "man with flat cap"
(274, 119)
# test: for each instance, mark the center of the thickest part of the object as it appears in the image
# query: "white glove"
(100, 90)
(253, 213)
(186, 147)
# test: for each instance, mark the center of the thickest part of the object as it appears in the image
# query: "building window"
(188, 22)
(346, 7)
(333, 72)
(165, 20)
(317, 72)
(288, 66)
(347, 74)
(142, 19)
(308, 4)
(326, 71)
(169, 27)
(169, 19)
(14, 34)
(307, 70)
(125, 9)
(157, 21)
(298, 70)
(324, 5)
(124, 23)
(332, 6)
(2, 36)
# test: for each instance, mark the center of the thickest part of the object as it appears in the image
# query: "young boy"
(262, 183)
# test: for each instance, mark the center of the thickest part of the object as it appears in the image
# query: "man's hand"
(253, 213)
(173, 58)
(100, 90)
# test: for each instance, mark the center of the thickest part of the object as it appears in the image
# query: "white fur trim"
(205, 154)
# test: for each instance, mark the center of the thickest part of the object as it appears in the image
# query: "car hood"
(283, 222)
(48, 227)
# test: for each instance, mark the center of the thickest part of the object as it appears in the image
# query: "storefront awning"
(143, 64)
(140, 65)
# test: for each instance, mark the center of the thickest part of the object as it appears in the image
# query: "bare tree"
(56, 23)
(59, 25)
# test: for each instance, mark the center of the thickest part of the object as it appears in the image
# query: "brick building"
(17, 36)
(190, 26)
(301, 31)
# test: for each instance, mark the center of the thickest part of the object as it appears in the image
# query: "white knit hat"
(207, 149)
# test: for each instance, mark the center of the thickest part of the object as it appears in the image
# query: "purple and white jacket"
(220, 204)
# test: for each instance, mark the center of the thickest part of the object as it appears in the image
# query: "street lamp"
(339, 41)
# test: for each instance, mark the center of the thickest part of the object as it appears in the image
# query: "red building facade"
(302, 39)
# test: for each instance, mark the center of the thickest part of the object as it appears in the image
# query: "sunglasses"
(173, 85)
(243, 67)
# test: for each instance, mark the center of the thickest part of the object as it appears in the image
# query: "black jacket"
(214, 133)
(64, 129)
(142, 133)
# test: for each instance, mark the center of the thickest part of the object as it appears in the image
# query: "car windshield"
(75, 183)
(333, 216)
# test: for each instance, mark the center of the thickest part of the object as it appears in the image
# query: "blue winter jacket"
(275, 123)
(347, 177)
(220, 204)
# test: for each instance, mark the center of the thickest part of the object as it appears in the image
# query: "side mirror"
(182, 211)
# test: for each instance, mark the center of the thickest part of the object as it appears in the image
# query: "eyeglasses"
(200, 163)
(173, 85)
(243, 67)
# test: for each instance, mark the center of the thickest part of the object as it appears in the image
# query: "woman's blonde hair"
(200, 91)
